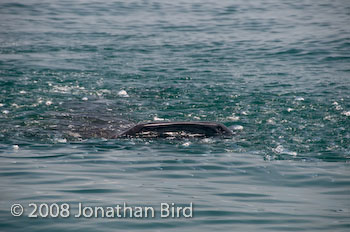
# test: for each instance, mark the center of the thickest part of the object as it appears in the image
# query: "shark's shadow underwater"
(94, 122)
(117, 129)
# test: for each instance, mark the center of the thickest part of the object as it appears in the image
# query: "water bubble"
(328, 117)
(207, 140)
(15, 147)
(338, 107)
(271, 121)
(74, 134)
(61, 140)
(278, 149)
(346, 113)
(299, 99)
(123, 93)
(15, 105)
(233, 117)
(85, 99)
(237, 127)
(293, 153)
(5, 111)
(186, 144)
(158, 119)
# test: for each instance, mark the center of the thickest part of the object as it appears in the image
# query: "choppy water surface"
(73, 74)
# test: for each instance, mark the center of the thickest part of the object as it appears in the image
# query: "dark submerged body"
(177, 130)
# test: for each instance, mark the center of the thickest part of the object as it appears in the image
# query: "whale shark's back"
(177, 130)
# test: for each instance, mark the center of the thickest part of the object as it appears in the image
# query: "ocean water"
(75, 73)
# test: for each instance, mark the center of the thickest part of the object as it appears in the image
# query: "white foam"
(74, 134)
(233, 117)
(207, 140)
(237, 127)
(280, 149)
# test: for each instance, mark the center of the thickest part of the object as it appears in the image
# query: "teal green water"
(73, 74)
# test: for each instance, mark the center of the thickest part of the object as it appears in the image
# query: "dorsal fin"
(176, 129)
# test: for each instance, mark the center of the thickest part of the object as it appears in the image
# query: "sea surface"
(75, 73)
